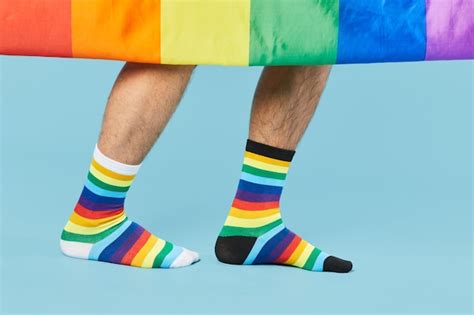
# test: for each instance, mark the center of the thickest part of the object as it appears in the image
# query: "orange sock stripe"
(247, 205)
(132, 252)
(110, 173)
(91, 214)
(289, 250)
(78, 219)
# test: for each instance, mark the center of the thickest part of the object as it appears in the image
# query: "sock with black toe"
(254, 232)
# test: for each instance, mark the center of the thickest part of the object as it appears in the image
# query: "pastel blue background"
(383, 177)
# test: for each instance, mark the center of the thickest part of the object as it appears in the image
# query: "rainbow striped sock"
(254, 232)
(98, 229)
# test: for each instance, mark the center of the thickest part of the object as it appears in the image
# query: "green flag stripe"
(313, 43)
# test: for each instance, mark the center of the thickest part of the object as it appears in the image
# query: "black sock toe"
(334, 264)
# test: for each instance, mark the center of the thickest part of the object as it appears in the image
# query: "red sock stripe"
(247, 205)
(133, 251)
(90, 214)
(289, 250)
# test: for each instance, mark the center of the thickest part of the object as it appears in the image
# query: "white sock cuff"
(115, 166)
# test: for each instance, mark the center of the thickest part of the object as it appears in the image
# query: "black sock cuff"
(269, 151)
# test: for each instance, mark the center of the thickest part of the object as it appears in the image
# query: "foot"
(254, 232)
(274, 244)
(119, 240)
(98, 229)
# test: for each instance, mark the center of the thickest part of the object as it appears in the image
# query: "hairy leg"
(254, 232)
(141, 102)
(284, 103)
(140, 105)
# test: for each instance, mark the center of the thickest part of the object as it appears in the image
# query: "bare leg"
(140, 105)
(142, 101)
(284, 103)
(254, 232)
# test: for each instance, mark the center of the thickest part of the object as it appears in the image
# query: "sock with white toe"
(99, 229)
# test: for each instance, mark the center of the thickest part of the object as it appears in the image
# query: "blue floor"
(383, 177)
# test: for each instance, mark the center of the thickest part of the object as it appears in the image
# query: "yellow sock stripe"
(86, 230)
(148, 261)
(265, 166)
(85, 222)
(267, 160)
(296, 254)
(143, 252)
(110, 173)
(251, 223)
(109, 180)
(304, 256)
(250, 214)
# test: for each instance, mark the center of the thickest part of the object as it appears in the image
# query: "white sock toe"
(195, 255)
(186, 258)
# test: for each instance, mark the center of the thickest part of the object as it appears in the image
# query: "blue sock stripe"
(108, 253)
(101, 245)
(170, 258)
(270, 247)
(319, 264)
(261, 241)
(103, 192)
(92, 197)
(262, 180)
(258, 188)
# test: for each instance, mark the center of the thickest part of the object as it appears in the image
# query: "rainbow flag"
(240, 32)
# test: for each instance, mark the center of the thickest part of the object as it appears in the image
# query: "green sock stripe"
(106, 186)
(252, 232)
(312, 259)
(263, 173)
(92, 238)
(162, 255)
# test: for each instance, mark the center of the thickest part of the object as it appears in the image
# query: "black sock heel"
(233, 249)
